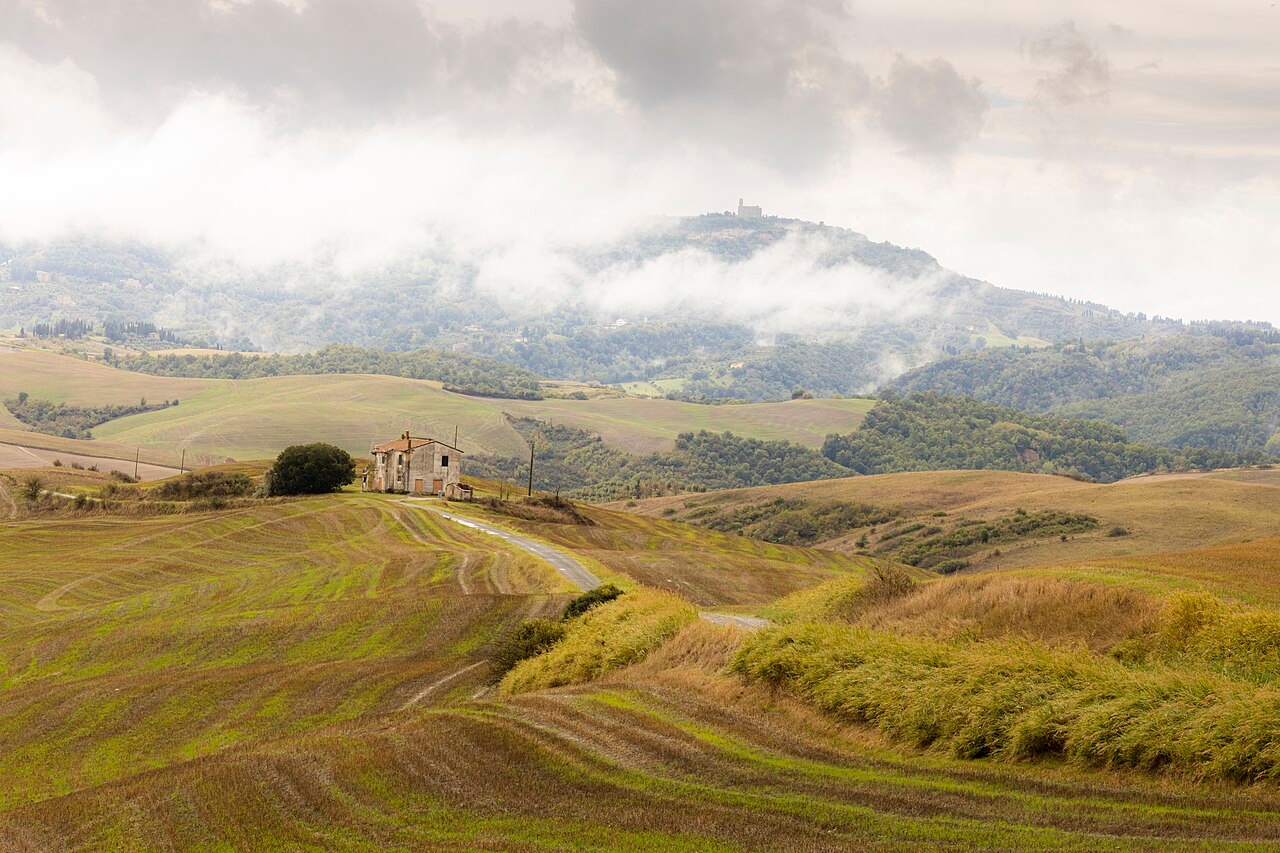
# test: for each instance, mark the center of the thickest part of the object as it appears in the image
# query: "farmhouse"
(414, 465)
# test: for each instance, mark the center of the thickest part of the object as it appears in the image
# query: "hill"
(312, 674)
(900, 512)
(871, 309)
(247, 419)
(1213, 390)
(928, 431)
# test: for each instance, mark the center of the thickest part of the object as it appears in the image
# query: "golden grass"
(1044, 609)
(1160, 514)
(608, 637)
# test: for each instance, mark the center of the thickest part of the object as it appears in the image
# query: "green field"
(312, 674)
(257, 418)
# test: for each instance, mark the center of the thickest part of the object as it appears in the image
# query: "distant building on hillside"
(749, 211)
(415, 466)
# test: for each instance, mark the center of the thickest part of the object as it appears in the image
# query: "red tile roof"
(407, 443)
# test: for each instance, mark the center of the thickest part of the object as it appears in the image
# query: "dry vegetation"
(312, 674)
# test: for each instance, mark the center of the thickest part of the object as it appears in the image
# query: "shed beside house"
(413, 465)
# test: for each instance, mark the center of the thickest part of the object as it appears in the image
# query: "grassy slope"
(1166, 513)
(258, 662)
(255, 418)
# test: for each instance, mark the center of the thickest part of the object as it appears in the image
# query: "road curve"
(750, 623)
(570, 568)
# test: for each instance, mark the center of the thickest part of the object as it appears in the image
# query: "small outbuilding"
(415, 466)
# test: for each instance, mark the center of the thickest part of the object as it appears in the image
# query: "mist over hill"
(706, 307)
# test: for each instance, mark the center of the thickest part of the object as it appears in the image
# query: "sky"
(1122, 152)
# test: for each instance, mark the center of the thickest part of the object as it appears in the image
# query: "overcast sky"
(1125, 152)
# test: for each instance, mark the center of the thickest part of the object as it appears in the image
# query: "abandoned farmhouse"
(413, 465)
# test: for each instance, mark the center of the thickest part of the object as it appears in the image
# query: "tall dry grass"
(603, 639)
(1014, 700)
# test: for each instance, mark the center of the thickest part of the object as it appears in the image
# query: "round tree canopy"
(310, 469)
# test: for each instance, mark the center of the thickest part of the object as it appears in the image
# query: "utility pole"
(455, 436)
(136, 457)
(182, 466)
(530, 467)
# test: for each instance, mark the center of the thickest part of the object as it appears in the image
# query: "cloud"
(929, 108)
(329, 60)
(1078, 72)
(762, 76)
(790, 286)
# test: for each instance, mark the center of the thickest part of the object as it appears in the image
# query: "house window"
(444, 461)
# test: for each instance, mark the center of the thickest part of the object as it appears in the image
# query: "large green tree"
(310, 469)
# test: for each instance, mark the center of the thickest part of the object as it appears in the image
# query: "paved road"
(560, 561)
(575, 571)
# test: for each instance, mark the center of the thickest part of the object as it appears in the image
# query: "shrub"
(310, 469)
(531, 638)
(590, 599)
(207, 484)
(950, 567)
(608, 637)
(32, 488)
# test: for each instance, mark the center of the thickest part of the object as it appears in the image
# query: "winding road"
(567, 566)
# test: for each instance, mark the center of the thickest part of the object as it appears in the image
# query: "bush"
(531, 638)
(310, 469)
(32, 488)
(609, 637)
(208, 484)
(590, 599)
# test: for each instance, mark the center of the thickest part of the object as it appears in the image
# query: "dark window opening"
(444, 461)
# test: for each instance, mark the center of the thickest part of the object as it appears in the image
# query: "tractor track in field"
(575, 572)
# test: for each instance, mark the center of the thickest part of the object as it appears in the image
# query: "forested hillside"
(462, 373)
(577, 462)
(871, 309)
(928, 431)
(1215, 388)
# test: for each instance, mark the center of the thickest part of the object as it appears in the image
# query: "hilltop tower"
(749, 211)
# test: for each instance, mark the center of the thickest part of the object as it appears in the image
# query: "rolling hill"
(311, 673)
(246, 419)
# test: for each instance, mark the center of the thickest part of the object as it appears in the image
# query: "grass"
(256, 418)
(606, 638)
(1162, 514)
(135, 643)
(311, 674)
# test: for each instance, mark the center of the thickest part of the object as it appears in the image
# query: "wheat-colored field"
(254, 419)
(1168, 513)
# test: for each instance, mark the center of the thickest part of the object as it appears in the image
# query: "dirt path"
(424, 692)
(569, 568)
(750, 623)
(577, 573)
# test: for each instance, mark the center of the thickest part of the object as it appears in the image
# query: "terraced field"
(253, 419)
(311, 674)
